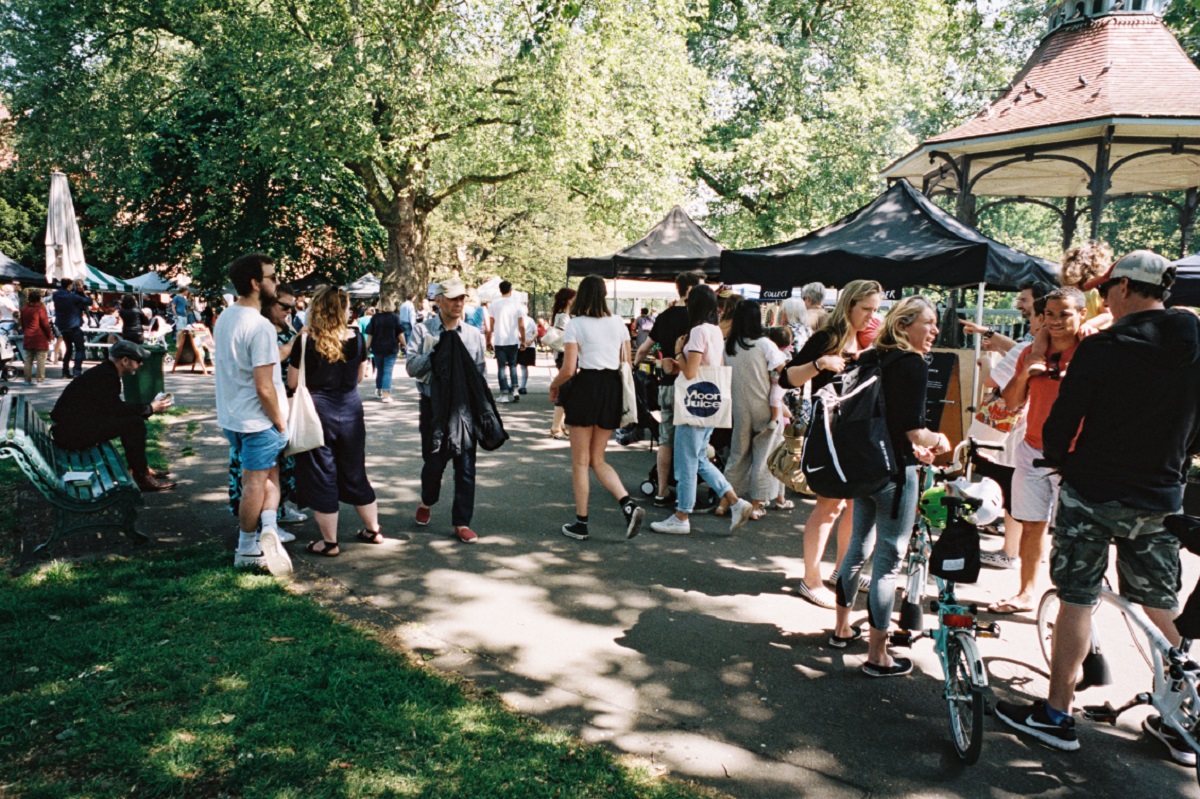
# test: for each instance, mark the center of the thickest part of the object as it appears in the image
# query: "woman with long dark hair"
(907, 335)
(595, 344)
(822, 358)
(703, 347)
(753, 357)
(335, 362)
(559, 316)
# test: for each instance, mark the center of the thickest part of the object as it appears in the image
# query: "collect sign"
(702, 399)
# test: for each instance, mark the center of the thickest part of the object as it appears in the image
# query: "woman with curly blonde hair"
(335, 359)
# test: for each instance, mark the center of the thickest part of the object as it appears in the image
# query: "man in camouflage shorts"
(1121, 432)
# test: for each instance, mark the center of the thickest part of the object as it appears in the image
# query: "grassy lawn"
(176, 675)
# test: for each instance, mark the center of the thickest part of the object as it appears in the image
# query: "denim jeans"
(383, 371)
(506, 355)
(435, 466)
(75, 344)
(873, 518)
(691, 446)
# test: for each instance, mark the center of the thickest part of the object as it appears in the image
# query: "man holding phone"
(91, 411)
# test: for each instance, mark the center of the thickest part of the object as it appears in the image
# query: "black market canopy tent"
(11, 270)
(674, 245)
(901, 239)
(1187, 282)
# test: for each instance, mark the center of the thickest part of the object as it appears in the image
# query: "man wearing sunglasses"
(1122, 431)
(1034, 387)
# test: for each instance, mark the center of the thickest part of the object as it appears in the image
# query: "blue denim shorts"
(259, 450)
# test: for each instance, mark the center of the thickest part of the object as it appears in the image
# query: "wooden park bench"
(109, 502)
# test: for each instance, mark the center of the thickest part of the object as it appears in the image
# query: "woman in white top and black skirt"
(595, 343)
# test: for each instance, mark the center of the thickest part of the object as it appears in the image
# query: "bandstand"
(1107, 108)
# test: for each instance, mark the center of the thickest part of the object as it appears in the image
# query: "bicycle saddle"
(1186, 529)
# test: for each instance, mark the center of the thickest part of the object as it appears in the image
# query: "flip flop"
(787, 504)
(327, 549)
(1007, 608)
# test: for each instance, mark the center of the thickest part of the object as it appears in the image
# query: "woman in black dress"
(335, 357)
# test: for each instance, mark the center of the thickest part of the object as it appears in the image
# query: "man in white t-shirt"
(508, 331)
(9, 306)
(252, 409)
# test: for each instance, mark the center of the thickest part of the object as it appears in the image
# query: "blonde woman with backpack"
(886, 516)
(825, 355)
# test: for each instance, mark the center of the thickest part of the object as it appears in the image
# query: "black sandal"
(370, 536)
(327, 549)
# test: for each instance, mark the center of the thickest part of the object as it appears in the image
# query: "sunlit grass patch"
(175, 675)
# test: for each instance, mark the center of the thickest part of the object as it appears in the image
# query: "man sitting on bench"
(91, 411)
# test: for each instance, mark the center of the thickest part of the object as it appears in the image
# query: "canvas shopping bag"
(705, 400)
(304, 430)
(629, 412)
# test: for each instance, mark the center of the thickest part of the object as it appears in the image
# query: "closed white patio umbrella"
(64, 248)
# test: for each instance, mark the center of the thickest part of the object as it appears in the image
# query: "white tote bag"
(705, 400)
(629, 413)
(304, 430)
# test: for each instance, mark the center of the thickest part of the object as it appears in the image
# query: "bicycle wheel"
(1126, 655)
(964, 701)
(1047, 614)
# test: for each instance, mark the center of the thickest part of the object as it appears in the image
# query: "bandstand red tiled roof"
(1114, 66)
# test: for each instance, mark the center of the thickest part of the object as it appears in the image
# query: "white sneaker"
(289, 516)
(672, 525)
(739, 514)
(504, 399)
(277, 560)
(387, 399)
(284, 536)
(516, 395)
(998, 560)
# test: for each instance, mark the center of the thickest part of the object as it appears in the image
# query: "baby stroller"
(645, 389)
(706, 497)
(7, 354)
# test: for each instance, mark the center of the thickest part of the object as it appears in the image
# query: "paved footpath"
(691, 653)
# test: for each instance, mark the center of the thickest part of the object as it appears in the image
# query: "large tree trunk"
(406, 264)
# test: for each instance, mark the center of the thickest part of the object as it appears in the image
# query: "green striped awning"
(96, 280)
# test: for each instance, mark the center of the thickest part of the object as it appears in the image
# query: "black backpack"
(848, 451)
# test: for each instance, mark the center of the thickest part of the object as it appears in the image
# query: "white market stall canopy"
(641, 289)
(365, 287)
(152, 283)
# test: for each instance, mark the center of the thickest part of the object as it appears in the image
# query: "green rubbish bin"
(148, 382)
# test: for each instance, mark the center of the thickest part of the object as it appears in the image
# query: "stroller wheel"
(648, 488)
(706, 499)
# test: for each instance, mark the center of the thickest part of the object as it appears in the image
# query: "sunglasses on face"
(1104, 288)
(287, 305)
(1054, 366)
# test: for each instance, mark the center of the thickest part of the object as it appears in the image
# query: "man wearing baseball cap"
(447, 320)
(1121, 432)
(90, 411)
